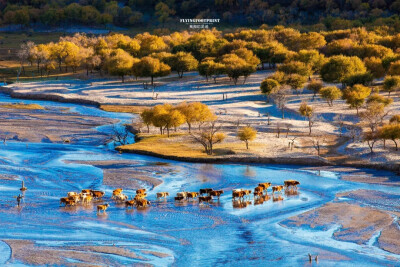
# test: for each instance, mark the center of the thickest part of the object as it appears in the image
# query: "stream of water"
(187, 234)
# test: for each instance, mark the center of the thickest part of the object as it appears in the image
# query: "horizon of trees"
(322, 15)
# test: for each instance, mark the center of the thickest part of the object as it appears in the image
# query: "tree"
(391, 83)
(173, 118)
(163, 12)
(150, 67)
(296, 81)
(379, 99)
(280, 98)
(356, 95)
(196, 112)
(312, 58)
(307, 111)
(375, 67)
(160, 112)
(295, 67)
(147, 117)
(24, 53)
(394, 68)
(209, 68)
(314, 86)
(247, 134)
(395, 119)
(390, 132)
(371, 138)
(339, 68)
(373, 115)
(181, 62)
(268, 87)
(358, 78)
(330, 93)
(120, 63)
(236, 67)
(209, 136)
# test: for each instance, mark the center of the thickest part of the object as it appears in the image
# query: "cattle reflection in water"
(277, 198)
(240, 204)
(259, 200)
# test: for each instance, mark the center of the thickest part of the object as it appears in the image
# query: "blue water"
(187, 233)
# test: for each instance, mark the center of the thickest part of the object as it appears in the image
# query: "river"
(168, 233)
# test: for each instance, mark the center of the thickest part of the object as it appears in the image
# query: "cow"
(238, 194)
(264, 185)
(140, 196)
(98, 194)
(205, 191)
(205, 199)
(277, 188)
(87, 199)
(71, 194)
(86, 191)
(142, 203)
(246, 192)
(181, 194)
(258, 189)
(102, 208)
(116, 192)
(291, 183)
(162, 194)
(130, 203)
(216, 193)
(180, 198)
(67, 201)
(192, 194)
(121, 197)
(141, 191)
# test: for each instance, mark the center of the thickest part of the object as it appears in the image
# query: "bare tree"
(317, 144)
(291, 143)
(208, 136)
(371, 138)
(119, 136)
(339, 119)
(281, 98)
(353, 133)
(288, 126)
(269, 119)
(278, 129)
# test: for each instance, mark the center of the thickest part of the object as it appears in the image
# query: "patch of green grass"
(21, 106)
(123, 108)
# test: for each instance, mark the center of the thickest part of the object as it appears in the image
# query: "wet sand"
(51, 126)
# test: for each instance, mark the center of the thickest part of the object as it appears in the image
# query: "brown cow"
(162, 194)
(216, 193)
(246, 192)
(97, 194)
(264, 185)
(140, 196)
(130, 203)
(67, 201)
(179, 198)
(205, 199)
(86, 191)
(87, 199)
(292, 183)
(237, 194)
(102, 208)
(141, 191)
(258, 194)
(259, 189)
(181, 194)
(192, 195)
(142, 203)
(116, 192)
(205, 191)
(277, 188)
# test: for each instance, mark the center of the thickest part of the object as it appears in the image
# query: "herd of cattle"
(206, 195)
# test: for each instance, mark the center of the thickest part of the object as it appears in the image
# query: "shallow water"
(188, 233)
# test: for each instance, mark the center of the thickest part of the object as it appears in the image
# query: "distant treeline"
(322, 14)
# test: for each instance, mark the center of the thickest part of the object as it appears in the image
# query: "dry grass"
(181, 145)
(22, 106)
(123, 108)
